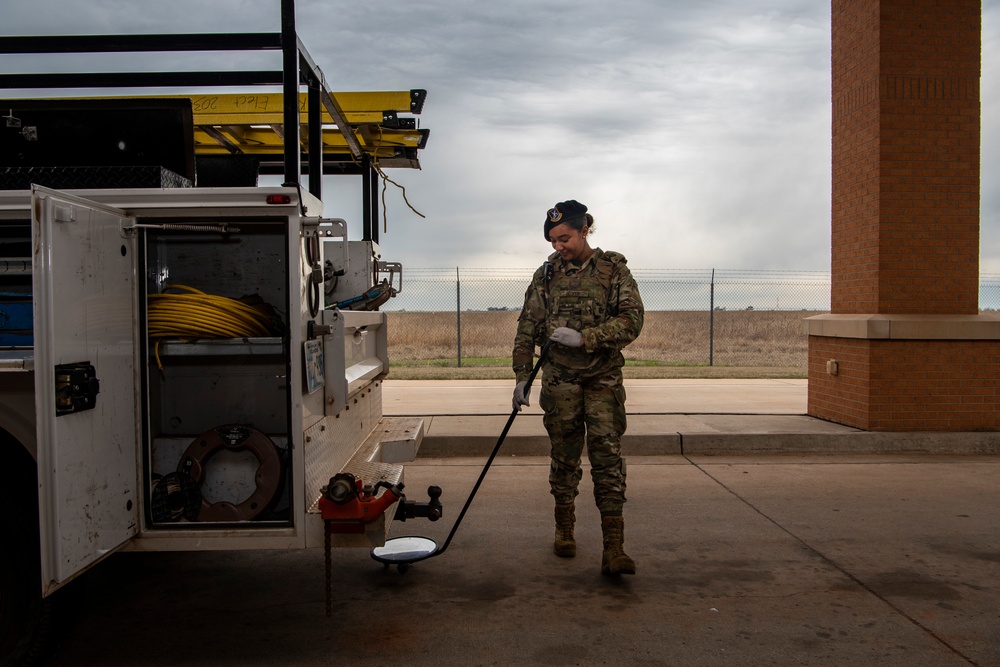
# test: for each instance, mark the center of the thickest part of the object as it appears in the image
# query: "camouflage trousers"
(586, 411)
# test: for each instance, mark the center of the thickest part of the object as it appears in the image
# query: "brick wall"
(855, 168)
(906, 136)
(910, 385)
(905, 218)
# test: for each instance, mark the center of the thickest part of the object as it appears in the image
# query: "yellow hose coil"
(199, 315)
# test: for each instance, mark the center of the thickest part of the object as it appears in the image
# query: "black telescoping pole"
(493, 454)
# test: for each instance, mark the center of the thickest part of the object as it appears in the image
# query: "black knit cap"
(562, 212)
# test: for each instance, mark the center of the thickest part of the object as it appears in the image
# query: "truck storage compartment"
(218, 399)
(15, 284)
(356, 353)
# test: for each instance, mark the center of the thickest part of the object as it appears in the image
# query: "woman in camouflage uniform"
(586, 303)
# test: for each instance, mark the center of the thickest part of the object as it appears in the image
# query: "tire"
(24, 614)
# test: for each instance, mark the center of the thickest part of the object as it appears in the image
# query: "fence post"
(458, 314)
(711, 320)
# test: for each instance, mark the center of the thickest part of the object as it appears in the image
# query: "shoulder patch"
(614, 257)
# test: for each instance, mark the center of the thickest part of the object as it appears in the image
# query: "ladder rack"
(292, 132)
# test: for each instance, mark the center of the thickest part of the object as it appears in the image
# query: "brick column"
(904, 347)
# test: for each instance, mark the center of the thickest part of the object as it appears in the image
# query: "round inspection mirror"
(404, 550)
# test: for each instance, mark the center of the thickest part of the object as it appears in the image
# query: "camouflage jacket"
(600, 299)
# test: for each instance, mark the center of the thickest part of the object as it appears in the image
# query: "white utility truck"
(189, 361)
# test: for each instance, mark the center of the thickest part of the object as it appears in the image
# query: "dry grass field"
(750, 343)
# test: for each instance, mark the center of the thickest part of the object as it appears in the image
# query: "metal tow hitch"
(346, 505)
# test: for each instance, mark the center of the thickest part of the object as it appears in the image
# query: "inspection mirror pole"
(403, 551)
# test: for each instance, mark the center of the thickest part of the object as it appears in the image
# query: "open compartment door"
(85, 387)
(355, 353)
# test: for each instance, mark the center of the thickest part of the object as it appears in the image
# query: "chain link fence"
(467, 317)
(989, 292)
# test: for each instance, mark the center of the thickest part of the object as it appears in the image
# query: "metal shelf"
(223, 347)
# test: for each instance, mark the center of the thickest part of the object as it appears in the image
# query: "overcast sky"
(698, 133)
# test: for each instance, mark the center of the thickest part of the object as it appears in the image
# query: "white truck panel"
(84, 312)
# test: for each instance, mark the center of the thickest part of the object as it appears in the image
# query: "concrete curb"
(734, 444)
(658, 435)
(860, 442)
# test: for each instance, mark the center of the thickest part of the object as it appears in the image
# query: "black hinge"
(77, 387)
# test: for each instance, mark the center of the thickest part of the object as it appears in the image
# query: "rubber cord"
(195, 314)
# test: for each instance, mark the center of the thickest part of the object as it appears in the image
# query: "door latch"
(77, 387)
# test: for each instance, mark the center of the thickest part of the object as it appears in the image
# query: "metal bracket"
(77, 387)
(329, 227)
(393, 268)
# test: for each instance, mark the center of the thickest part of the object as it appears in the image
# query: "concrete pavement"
(682, 416)
(749, 552)
(827, 560)
(656, 397)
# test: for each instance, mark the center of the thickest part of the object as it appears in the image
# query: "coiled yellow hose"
(199, 315)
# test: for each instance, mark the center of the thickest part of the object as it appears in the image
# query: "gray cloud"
(698, 133)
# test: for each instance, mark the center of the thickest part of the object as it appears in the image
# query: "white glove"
(568, 337)
(520, 398)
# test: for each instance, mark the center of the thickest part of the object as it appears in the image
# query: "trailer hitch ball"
(410, 509)
(434, 504)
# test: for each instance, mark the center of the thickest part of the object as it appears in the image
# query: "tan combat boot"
(615, 560)
(565, 545)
